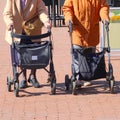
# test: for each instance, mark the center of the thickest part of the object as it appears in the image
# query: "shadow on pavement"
(97, 87)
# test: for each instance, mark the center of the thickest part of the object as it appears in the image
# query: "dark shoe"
(23, 84)
(34, 82)
(78, 83)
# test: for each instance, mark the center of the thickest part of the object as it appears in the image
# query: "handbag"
(32, 26)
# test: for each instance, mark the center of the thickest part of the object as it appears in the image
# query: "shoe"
(86, 84)
(23, 84)
(79, 83)
(34, 82)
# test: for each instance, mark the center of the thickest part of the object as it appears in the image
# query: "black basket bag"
(91, 65)
(33, 55)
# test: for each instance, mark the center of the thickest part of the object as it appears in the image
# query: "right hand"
(10, 26)
(67, 23)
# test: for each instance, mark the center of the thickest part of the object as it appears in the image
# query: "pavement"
(92, 103)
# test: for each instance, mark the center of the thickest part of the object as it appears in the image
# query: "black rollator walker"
(88, 65)
(31, 56)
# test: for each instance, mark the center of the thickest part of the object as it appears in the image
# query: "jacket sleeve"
(42, 10)
(7, 13)
(68, 10)
(104, 11)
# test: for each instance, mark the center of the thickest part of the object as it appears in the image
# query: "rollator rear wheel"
(111, 85)
(16, 89)
(53, 85)
(110, 78)
(74, 90)
(9, 84)
(111, 72)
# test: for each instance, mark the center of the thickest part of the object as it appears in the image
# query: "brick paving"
(92, 103)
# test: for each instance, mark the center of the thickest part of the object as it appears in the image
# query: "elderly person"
(85, 16)
(17, 11)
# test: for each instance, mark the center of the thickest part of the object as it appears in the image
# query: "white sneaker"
(86, 83)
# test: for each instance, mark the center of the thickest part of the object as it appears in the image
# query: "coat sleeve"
(7, 13)
(68, 10)
(104, 11)
(42, 10)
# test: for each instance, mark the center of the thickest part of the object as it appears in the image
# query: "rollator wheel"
(9, 84)
(16, 89)
(67, 82)
(53, 89)
(111, 86)
(110, 78)
(53, 85)
(74, 91)
(110, 73)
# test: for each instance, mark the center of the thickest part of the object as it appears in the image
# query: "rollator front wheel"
(67, 82)
(16, 89)
(53, 89)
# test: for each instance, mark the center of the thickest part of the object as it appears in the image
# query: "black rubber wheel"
(74, 90)
(9, 84)
(16, 89)
(110, 72)
(67, 82)
(53, 85)
(111, 86)
(53, 89)
(110, 78)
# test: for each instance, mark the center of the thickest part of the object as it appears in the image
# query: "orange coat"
(14, 13)
(85, 15)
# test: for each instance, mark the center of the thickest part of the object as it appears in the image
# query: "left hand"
(106, 22)
(48, 25)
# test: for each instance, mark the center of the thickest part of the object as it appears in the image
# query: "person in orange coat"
(17, 11)
(85, 16)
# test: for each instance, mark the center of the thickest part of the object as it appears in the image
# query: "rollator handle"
(49, 29)
(70, 26)
(106, 23)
